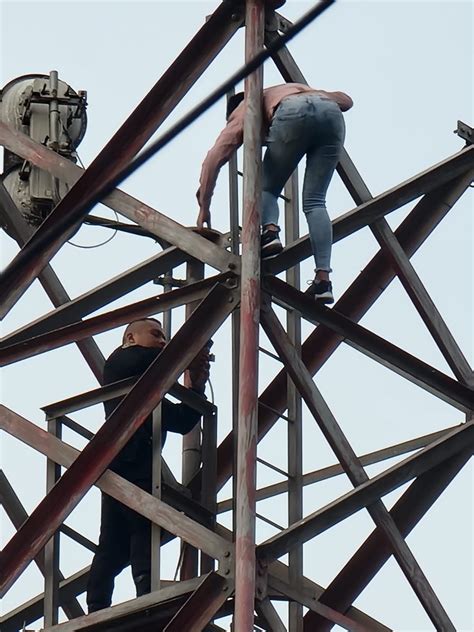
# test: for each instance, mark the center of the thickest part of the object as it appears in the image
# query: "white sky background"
(408, 67)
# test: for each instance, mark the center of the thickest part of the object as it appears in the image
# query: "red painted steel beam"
(163, 227)
(370, 210)
(423, 303)
(94, 299)
(158, 512)
(446, 388)
(201, 606)
(114, 434)
(67, 216)
(374, 552)
(33, 609)
(53, 287)
(190, 527)
(119, 151)
(245, 563)
(17, 514)
(355, 302)
(319, 521)
(354, 470)
(104, 322)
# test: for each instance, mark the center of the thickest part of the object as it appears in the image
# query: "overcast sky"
(408, 67)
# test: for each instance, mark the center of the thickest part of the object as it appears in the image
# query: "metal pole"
(48, 279)
(235, 318)
(114, 434)
(249, 328)
(155, 567)
(191, 457)
(53, 111)
(51, 550)
(209, 470)
(295, 413)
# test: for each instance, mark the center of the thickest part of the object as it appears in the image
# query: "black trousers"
(125, 538)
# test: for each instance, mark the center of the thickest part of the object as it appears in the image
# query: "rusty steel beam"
(145, 216)
(140, 501)
(33, 609)
(367, 493)
(249, 67)
(17, 514)
(146, 613)
(267, 611)
(335, 470)
(67, 216)
(201, 606)
(355, 302)
(246, 473)
(64, 455)
(113, 435)
(459, 395)
(119, 488)
(354, 469)
(327, 613)
(48, 279)
(119, 151)
(374, 208)
(117, 389)
(104, 322)
(99, 296)
(374, 552)
(309, 592)
(423, 302)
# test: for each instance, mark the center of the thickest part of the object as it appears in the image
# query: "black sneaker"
(322, 291)
(270, 243)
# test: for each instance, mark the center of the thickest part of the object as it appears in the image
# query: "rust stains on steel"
(101, 176)
(245, 567)
(117, 430)
(105, 173)
(354, 303)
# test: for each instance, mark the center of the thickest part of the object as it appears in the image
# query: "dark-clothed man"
(297, 121)
(125, 536)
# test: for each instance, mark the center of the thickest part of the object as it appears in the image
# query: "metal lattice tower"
(227, 572)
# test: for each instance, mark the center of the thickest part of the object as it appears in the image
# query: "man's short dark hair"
(139, 320)
(233, 102)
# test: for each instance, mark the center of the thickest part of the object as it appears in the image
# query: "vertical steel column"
(157, 447)
(295, 436)
(191, 458)
(21, 232)
(167, 315)
(209, 475)
(155, 568)
(249, 328)
(54, 119)
(235, 317)
(51, 550)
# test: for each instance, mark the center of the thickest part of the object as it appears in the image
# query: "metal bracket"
(465, 132)
(226, 564)
(261, 580)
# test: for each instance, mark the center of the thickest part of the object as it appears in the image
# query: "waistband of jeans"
(310, 95)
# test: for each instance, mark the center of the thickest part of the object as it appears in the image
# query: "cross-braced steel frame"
(236, 575)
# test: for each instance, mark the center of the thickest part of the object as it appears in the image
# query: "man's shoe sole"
(325, 298)
(271, 250)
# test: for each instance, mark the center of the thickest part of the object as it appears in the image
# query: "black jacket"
(134, 461)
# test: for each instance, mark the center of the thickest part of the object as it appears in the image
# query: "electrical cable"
(220, 92)
(102, 243)
(212, 391)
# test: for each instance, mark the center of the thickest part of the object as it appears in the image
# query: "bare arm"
(227, 142)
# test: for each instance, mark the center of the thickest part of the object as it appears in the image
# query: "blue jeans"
(304, 124)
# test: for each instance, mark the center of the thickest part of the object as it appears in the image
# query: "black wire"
(47, 239)
(198, 110)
